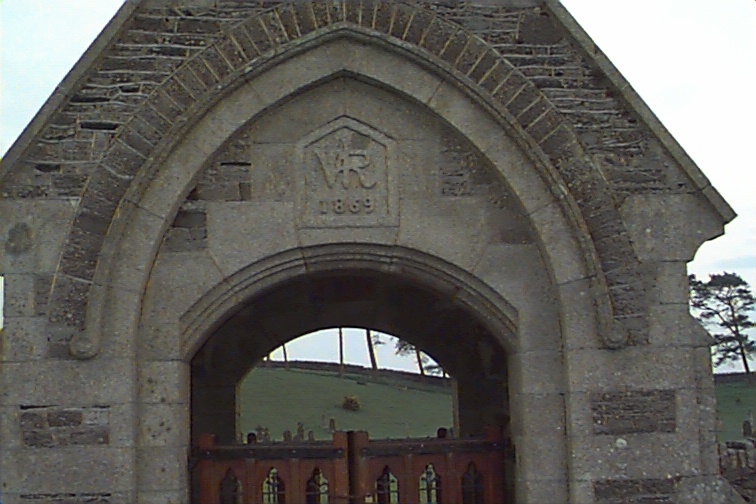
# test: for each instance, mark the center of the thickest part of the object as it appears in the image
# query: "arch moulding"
(465, 60)
(152, 202)
(456, 285)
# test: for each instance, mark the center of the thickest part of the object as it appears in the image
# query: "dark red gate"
(353, 469)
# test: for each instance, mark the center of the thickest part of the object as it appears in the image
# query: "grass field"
(734, 400)
(278, 399)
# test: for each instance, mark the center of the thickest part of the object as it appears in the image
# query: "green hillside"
(734, 401)
(278, 399)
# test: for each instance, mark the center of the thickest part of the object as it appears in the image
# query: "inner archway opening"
(421, 315)
(350, 379)
(432, 318)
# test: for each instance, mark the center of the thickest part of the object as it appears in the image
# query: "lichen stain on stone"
(19, 239)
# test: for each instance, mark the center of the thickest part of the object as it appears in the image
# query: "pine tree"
(406, 348)
(724, 305)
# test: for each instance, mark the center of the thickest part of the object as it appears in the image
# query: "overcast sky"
(692, 61)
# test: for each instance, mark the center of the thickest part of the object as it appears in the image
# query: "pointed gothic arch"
(527, 113)
(368, 251)
(588, 310)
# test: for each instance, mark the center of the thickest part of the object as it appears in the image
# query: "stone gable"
(215, 178)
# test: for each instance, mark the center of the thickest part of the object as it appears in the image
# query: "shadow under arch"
(459, 287)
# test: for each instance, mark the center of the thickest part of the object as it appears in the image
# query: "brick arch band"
(257, 41)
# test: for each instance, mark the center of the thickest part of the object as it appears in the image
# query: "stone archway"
(382, 141)
(387, 62)
(462, 323)
(464, 329)
(479, 229)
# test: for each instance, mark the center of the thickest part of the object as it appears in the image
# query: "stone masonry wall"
(146, 81)
(47, 427)
(633, 412)
(535, 45)
(656, 491)
(145, 63)
(66, 498)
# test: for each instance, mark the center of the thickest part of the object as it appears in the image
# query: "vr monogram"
(342, 163)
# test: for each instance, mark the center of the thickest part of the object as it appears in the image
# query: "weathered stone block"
(38, 439)
(66, 382)
(165, 297)
(106, 189)
(91, 436)
(216, 63)
(81, 252)
(78, 470)
(46, 427)
(671, 281)
(163, 425)
(164, 382)
(66, 498)
(541, 459)
(447, 228)
(646, 368)
(33, 420)
(42, 290)
(515, 272)
(183, 240)
(237, 237)
(543, 489)
(161, 468)
(231, 53)
(69, 185)
(669, 228)
(537, 372)
(138, 142)
(162, 497)
(23, 339)
(541, 413)
(190, 219)
(646, 490)
(19, 239)
(563, 250)
(69, 302)
(123, 159)
(217, 191)
(64, 418)
(18, 295)
(152, 119)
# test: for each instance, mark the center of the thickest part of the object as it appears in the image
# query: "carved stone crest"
(346, 177)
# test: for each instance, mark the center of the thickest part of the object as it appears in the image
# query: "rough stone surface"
(641, 491)
(63, 498)
(219, 177)
(633, 412)
(547, 84)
